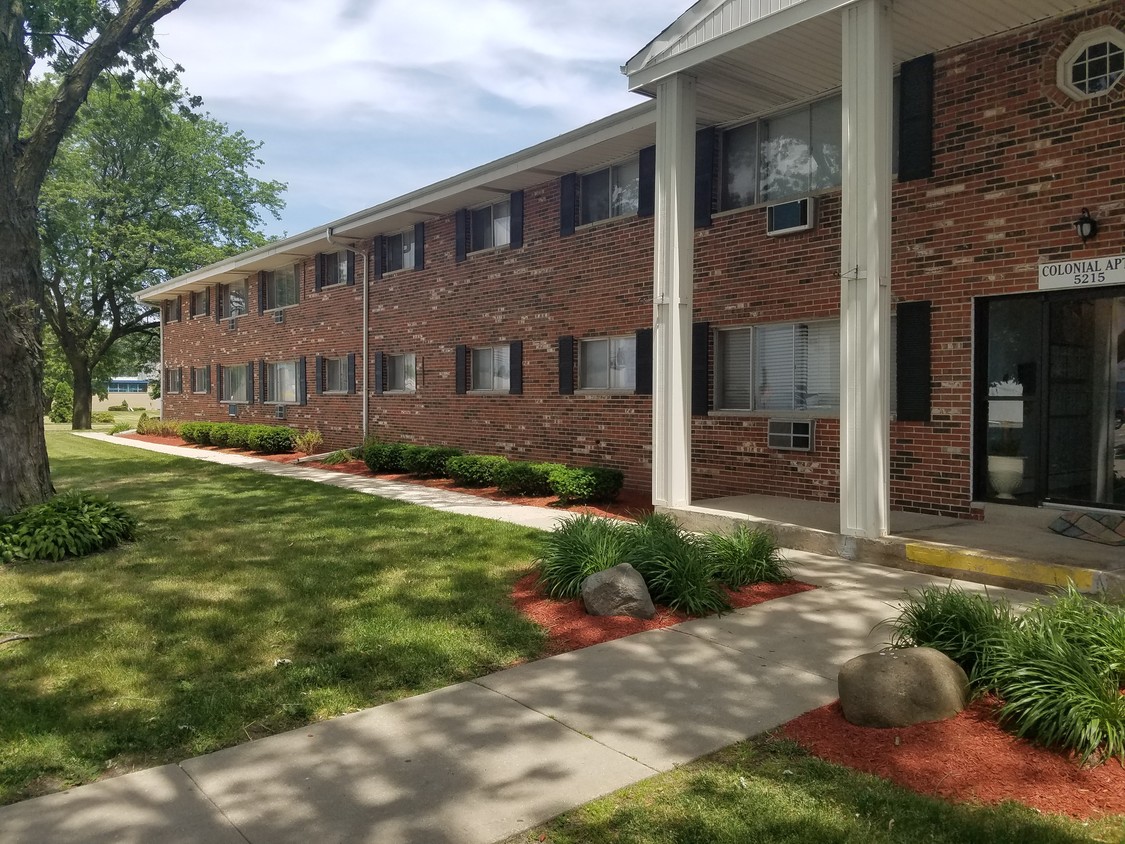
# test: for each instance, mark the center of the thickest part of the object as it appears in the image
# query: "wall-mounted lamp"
(1086, 226)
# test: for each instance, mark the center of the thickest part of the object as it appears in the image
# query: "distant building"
(132, 391)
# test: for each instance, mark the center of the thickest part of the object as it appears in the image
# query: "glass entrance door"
(1051, 409)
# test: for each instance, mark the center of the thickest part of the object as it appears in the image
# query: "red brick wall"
(1015, 163)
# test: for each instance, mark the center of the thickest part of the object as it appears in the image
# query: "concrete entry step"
(927, 544)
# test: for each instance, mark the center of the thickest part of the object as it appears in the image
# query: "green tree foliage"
(144, 188)
(62, 404)
(78, 40)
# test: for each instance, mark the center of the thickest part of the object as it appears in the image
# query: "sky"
(359, 101)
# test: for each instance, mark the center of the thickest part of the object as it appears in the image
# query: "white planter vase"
(1005, 473)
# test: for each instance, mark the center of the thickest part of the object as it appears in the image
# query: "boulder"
(900, 687)
(617, 591)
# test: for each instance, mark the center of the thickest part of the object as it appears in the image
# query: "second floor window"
(612, 192)
(491, 226)
(282, 286)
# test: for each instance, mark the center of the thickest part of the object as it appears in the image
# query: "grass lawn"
(166, 648)
(769, 791)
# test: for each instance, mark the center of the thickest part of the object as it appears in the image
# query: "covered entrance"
(1050, 398)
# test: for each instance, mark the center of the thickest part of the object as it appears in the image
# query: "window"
(491, 368)
(234, 384)
(200, 302)
(174, 380)
(234, 298)
(335, 268)
(282, 287)
(607, 364)
(172, 311)
(1093, 64)
(399, 251)
(201, 379)
(336, 375)
(794, 366)
(491, 226)
(612, 192)
(281, 382)
(401, 373)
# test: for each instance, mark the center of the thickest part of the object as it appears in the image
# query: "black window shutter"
(419, 246)
(515, 240)
(262, 380)
(180, 378)
(179, 308)
(218, 382)
(218, 302)
(379, 255)
(250, 382)
(378, 373)
(646, 189)
(351, 267)
(351, 373)
(916, 119)
(700, 370)
(461, 224)
(704, 176)
(318, 281)
(515, 366)
(568, 203)
(302, 382)
(460, 363)
(207, 302)
(912, 346)
(261, 292)
(566, 366)
(319, 375)
(644, 362)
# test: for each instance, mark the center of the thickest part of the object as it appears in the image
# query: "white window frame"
(499, 235)
(339, 275)
(401, 245)
(197, 371)
(226, 308)
(406, 365)
(620, 177)
(272, 380)
(173, 311)
(498, 382)
(202, 309)
(340, 365)
(273, 285)
(611, 356)
(1070, 56)
(239, 373)
(173, 379)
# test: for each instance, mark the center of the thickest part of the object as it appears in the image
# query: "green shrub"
(577, 548)
(967, 627)
(72, 524)
(219, 434)
(198, 433)
(383, 458)
(427, 461)
(475, 469)
(271, 439)
(748, 555)
(102, 417)
(336, 457)
(523, 478)
(585, 483)
(118, 427)
(158, 427)
(309, 442)
(62, 403)
(676, 566)
(120, 408)
(238, 436)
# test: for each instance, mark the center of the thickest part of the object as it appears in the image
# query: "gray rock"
(900, 687)
(617, 591)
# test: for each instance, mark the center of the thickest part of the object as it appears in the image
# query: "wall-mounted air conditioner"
(232, 410)
(279, 412)
(279, 316)
(798, 215)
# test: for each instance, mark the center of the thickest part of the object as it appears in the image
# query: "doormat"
(1106, 528)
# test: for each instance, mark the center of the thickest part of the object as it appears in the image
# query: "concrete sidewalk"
(477, 762)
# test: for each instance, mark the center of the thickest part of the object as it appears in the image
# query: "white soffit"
(751, 56)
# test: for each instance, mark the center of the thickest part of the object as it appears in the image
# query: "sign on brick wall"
(1074, 275)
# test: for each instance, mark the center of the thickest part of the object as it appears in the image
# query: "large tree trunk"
(83, 397)
(25, 476)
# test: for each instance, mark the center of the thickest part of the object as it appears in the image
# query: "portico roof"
(754, 56)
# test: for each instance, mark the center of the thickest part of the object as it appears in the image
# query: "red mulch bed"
(570, 628)
(965, 759)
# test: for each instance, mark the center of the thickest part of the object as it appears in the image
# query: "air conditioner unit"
(279, 316)
(790, 434)
(232, 323)
(232, 410)
(787, 217)
(279, 412)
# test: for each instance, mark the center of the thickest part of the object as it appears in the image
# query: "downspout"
(163, 368)
(366, 294)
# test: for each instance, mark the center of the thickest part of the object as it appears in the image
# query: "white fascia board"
(645, 77)
(684, 24)
(315, 240)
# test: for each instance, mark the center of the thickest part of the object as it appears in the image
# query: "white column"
(865, 270)
(672, 289)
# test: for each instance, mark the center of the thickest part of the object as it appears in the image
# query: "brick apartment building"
(835, 259)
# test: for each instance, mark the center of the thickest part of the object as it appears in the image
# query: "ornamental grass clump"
(749, 555)
(577, 548)
(675, 565)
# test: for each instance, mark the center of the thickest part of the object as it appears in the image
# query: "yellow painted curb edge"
(1045, 574)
